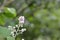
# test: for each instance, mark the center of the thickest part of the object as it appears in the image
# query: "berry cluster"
(16, 30)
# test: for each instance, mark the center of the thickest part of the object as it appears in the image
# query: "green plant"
(7, 13)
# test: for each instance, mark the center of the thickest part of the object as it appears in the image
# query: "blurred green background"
(42, 18)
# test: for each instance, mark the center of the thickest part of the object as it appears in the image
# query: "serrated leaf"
(10, 12)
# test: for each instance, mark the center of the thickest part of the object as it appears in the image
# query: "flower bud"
(10, 27)
(22, 39)
(23, 30)
(16, 25)
(13, 27)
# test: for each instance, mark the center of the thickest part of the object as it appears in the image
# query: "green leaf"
(2, 22)
(10, 38)
(4, 32)
(10, 12)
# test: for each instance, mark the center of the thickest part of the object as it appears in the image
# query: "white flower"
(10, 27)
(13, 35)
(16, 25)
(23, 30)
(12, 32)
(22, 39)
(21, 19)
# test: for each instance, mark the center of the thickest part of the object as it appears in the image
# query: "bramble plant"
(17, 29)
(5, 14)
(12, 31)
(42, 19)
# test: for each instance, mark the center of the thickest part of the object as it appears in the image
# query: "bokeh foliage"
(42, 18)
